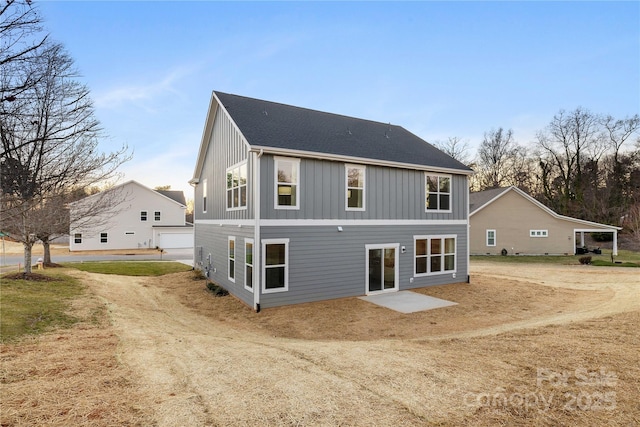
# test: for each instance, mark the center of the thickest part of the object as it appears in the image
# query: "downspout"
(468, 236)
(257, 245)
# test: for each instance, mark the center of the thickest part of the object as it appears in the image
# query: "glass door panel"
(389, 268)
(375, 270)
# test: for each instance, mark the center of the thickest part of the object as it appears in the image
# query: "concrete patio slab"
(407, 301)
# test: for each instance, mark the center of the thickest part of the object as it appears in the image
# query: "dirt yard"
(526, 345)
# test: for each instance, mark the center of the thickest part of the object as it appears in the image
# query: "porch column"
(582, 239)
(615, 243)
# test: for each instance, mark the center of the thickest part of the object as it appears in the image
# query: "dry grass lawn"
(530, 345)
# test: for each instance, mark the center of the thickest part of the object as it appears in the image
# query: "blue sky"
(439, 69)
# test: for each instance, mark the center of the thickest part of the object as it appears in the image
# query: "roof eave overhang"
(548, 210)
(353, 159)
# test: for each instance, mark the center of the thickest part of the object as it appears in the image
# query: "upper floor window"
(438, 192)
(237, 186)
(355, 192)
(143, 215)
(204, 195)
(287, 185)
(103, 238)
(156, 216)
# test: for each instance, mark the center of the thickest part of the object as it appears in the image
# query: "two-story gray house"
(294, 205)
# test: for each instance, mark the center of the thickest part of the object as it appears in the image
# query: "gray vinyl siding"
(326, 264)
(226, 148)
(390, 193)
(213, 239)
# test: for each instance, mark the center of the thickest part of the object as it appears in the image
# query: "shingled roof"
(267, 124)
(481, 198)
(175, 195)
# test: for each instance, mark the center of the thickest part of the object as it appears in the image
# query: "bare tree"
(49, 138)
(618, 133)
(21, 37)
(454, 147)
(496, 159)
(564, 147)
(632, 221)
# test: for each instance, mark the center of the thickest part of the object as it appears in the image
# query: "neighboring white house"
(142, 218)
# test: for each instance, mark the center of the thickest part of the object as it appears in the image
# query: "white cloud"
(143, 95)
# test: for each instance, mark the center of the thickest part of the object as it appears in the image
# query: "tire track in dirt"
(625, 297)
(194, 366)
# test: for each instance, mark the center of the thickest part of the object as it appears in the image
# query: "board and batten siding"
(226, 148)
(326, 264)
(390, 193)
(213, 239)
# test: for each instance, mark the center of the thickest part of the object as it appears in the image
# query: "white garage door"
(176, 240)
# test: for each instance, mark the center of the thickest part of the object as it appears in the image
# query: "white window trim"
(146, 216)
(266, 242)
(426, 192)
(396, 278)
(543, 233)
(76, 237)
(106, 238)
(275, 183)
(204, 195)
(253, 249)
(229, 259)
(159, 214)
(495, 239)
(363, 168)
(246, 185)
(429, 238)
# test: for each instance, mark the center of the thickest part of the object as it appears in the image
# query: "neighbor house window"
(434, 254)
(156, 216)
(437, 192)
(355, 187)
(237, 186)
(204, 195)
(287, 185)
(232, 258)
(538, 233)
(77, 238)
(248, 264)
(275, 270)
(103, 237)
(143, 215)
(491, 237)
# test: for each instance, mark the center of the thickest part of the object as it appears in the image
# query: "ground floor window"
(232, 258)
(434, 254)
(275, 271)
(77, 238)
(103, 238)
(248, 264)
(538, 233)
(491, 237)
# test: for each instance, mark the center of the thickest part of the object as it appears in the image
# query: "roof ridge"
(311, 109)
